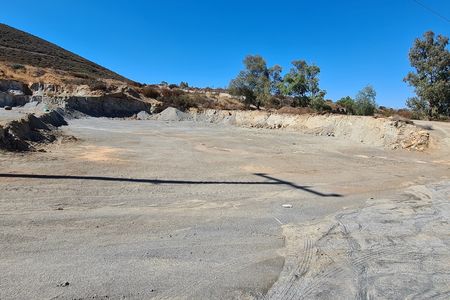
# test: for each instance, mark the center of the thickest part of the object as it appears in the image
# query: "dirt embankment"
(26, 133)
(384, 132)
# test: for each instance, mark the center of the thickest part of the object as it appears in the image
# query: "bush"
(17, 67)
(97, 85)
(404, 113)
(39, 73)
(364, 107)
(150, 92)
(80, 75)
(419, 107)
(295, 110)
(365, 104)
(319, 104)
(184, 101)
(348, 103)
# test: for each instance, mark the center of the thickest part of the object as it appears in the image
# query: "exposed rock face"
(13, 93)
(6, 99)
(14, 87)
(115, 101)
(23, 134)
(107, 106)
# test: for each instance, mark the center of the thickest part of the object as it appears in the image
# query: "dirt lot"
(153, 209)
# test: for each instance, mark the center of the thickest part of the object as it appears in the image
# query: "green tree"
(419, 107)
(184, 85)
(302, 83)
(348, 103)
(365, 104)
(430, 58)
(276, 80)
(318, 103)
(254, 82)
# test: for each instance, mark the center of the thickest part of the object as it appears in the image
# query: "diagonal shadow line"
(274, 181)
(299, 187)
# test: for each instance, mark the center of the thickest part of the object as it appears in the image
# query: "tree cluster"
(261, 85)
(364, 103)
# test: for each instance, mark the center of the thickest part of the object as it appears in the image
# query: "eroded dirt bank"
(385, 132)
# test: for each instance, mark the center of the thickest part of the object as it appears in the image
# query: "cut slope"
(19, 47)
(371, 131)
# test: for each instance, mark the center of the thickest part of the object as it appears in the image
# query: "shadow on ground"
(271, 181)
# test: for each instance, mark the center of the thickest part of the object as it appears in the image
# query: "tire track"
(300, 271)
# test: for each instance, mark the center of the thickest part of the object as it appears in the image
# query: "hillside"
(21, 48)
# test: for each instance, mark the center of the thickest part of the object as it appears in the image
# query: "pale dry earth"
(190, 210)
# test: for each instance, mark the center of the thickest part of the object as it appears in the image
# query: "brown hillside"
(21, 48)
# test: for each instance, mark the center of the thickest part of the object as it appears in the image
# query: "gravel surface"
(153, 209)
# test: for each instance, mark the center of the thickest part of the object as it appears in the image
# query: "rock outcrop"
(112, 102)
(13, 93)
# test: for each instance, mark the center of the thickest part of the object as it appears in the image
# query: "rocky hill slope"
(21, 48)
(37, 71)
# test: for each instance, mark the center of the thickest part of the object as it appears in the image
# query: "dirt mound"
(173, 114)
(24, 134)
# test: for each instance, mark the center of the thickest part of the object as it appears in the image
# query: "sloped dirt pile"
(173, 114)
(26, 133)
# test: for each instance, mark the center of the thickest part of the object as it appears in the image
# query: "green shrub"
(348, 103)
(319, 104)
(17, 67)
(365, 104)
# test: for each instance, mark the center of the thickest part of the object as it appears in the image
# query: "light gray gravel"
(153, 209)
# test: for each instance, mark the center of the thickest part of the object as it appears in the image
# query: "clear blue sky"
(355, 42)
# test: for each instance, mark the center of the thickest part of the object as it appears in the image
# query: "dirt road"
(152, 209)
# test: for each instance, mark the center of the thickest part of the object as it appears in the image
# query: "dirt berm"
(384, 132)
(24, 134)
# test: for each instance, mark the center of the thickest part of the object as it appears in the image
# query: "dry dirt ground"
(152, 209)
